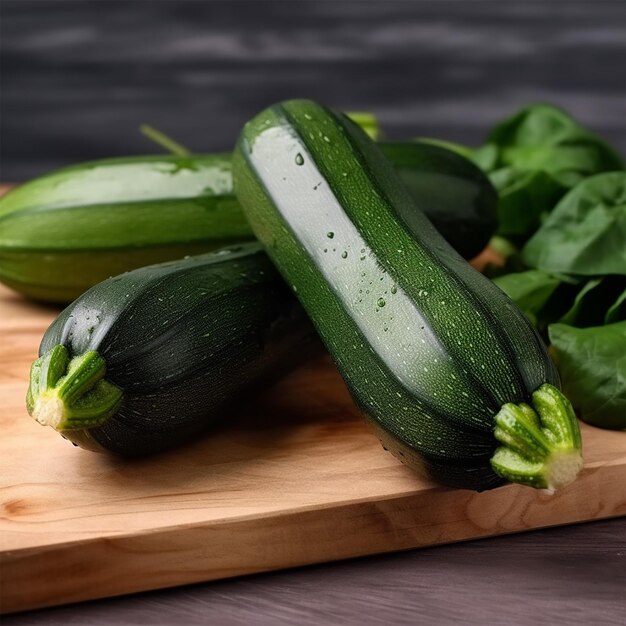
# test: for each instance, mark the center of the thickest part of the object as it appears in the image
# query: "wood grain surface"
(571, 575)
(298, 479)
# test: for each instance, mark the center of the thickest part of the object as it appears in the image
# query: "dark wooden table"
(78, 80)
(572, 575)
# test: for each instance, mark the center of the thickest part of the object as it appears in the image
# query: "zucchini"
(64, 232)
(453, 192)
(149, 359)
(452, 376)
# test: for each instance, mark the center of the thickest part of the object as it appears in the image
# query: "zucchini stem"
(70, 394)
(541, 443)
(163, 140)
(367, 121)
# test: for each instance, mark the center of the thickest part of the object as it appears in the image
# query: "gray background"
(79, 77)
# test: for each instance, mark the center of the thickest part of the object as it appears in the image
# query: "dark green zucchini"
(451, 374)
(64, 232)
(453, 192)
(149, 359)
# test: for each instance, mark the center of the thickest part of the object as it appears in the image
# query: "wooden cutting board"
(298, 479)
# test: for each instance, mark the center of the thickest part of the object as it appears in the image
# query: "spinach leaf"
(529, 290)
(485, 156)
(575, 313)
(544, 137)
(585, 233)
(551, 177)
(534, 125)
(594, 301)
(541, 153)
(525, 198)
(592, 364)
(617, 311)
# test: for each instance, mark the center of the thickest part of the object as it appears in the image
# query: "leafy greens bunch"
(562, 212)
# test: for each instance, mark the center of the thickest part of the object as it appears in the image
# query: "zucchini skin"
(185, 342)
(430, 349)
(453, 192)
(64, 232)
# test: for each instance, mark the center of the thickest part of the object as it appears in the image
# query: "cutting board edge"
(119, 565)
(618, 462)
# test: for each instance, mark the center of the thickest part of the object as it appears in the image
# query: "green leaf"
(594, 301)
(525, 198)
(536, 124)
(592, 364)
(574, 314)
(541, 153)
(617, 311)
(585, 233)
(576, 156)
(529, 290)
(545, 137)
(486, 157)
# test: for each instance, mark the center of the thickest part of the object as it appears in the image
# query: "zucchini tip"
(541, 444)
(71, 393)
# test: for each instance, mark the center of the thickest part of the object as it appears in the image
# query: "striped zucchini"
(64, 232)
(452, 376)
